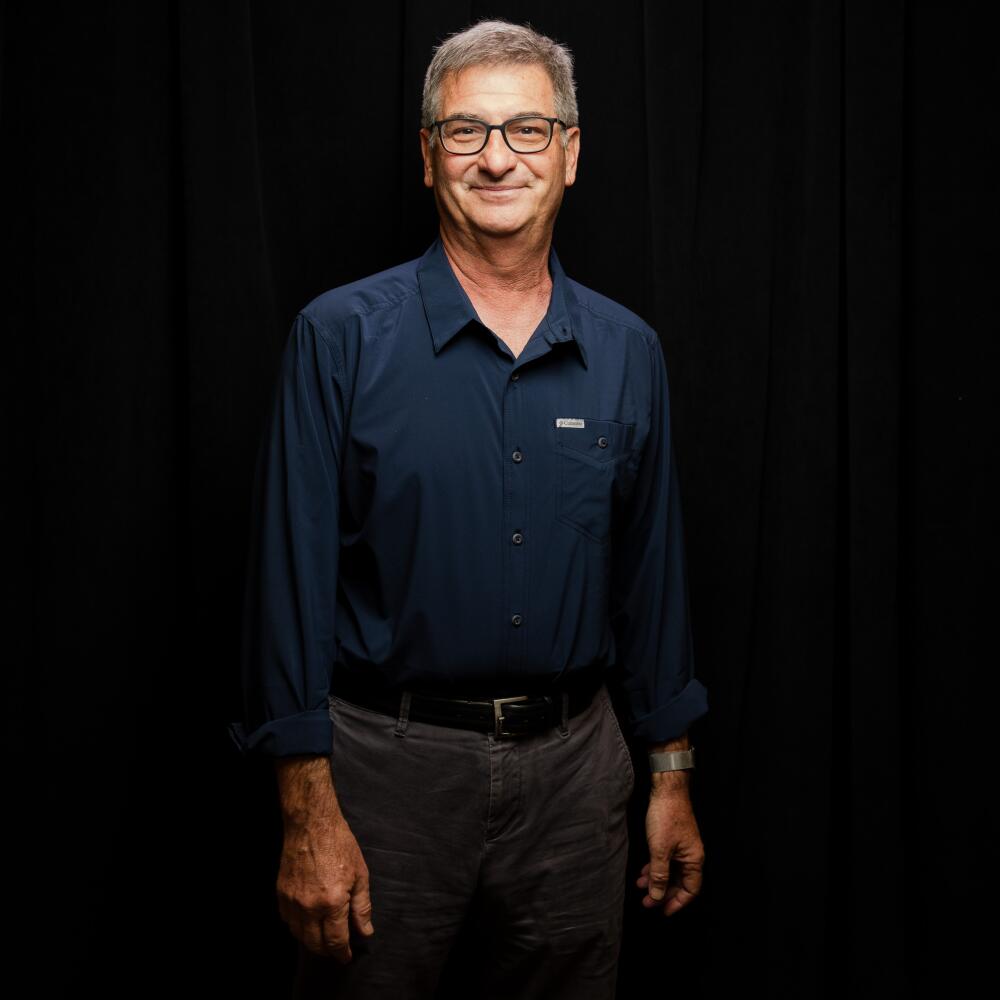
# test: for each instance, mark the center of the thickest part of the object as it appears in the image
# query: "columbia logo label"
(569, 422)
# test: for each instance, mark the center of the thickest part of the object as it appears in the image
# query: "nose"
(496, 157)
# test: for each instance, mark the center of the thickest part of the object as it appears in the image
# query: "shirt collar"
(449, 310)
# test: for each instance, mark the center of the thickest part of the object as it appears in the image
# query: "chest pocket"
(591, 465)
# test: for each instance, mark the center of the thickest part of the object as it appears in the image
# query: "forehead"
(497, 91)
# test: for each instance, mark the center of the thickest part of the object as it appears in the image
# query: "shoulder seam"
(377, 307)
(612, 319)
(331, 342)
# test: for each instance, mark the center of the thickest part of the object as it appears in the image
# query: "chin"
(499, 224)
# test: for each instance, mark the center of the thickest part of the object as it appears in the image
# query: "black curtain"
(797, 195)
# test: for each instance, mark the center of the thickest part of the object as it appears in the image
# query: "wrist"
(306, 795)
(670, 763)
(670, 782)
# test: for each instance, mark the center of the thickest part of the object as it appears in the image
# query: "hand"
(322, 880)
(676, 853)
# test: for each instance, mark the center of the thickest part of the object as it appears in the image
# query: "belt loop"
(564, 722)
(403, 719)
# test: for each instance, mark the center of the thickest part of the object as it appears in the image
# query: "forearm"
(671, 781)
(306, 790)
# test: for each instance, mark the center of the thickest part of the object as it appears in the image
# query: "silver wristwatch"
(672, 760)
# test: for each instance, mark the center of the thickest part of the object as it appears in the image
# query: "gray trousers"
(528, 831)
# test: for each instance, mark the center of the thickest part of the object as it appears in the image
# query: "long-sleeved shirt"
(428, 507)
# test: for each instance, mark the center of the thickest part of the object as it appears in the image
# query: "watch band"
(672, 760)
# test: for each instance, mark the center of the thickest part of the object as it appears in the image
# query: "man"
(466, 520)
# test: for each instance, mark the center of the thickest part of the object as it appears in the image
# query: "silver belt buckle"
(498, 730)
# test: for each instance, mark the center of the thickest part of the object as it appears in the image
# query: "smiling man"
(466, 526)
(498, 202)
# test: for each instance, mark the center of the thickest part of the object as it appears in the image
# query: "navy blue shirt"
(429, 509)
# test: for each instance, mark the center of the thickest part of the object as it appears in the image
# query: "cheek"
(447, 180)
(454, 174)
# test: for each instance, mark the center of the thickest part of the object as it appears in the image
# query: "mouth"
(497, 191)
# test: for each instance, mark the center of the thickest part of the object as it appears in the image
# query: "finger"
(293, 917)
(312, 935)
(690, 880)
(361, 906)
(336, 934)
(643, 880)
(336, 945)
(659, 876)
(677, 899)
(688, 885)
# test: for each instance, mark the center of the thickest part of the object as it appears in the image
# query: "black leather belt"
(511, 715)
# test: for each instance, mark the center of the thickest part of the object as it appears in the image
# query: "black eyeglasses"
(523, 134)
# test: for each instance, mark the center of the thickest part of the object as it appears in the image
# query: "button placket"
(515, 505)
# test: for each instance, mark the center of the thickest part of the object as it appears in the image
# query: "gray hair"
(499, 43)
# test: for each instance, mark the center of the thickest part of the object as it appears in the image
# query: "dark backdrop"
(794, 194)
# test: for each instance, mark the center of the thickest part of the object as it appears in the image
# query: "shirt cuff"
(305, 733)
(675, 717)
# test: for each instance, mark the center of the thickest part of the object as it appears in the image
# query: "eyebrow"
(472, 114)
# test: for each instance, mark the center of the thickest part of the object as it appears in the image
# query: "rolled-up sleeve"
(649, 592)
(293, 554)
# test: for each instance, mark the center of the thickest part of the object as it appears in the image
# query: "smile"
(496, 192)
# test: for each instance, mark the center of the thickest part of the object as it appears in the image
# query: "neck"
(496, 267)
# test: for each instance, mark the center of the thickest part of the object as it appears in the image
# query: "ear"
(428, 156)
(572, 153)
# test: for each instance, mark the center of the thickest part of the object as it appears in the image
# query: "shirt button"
(517, 538)
(517, 456)
(516, 620)
(515, 376)
(602, 442)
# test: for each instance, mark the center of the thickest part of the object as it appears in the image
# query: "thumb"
(659, 875)
(361, 907)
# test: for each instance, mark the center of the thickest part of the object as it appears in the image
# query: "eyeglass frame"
(503, 134)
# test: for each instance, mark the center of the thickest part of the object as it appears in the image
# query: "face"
(499, 192)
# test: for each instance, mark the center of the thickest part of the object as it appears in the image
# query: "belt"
(513, 715)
